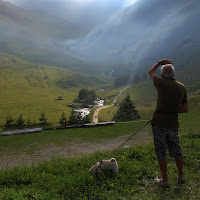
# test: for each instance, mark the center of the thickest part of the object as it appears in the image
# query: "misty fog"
(146, 29)
(85, 13)
(104, 32)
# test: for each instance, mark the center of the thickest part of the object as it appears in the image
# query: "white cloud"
(129, 2)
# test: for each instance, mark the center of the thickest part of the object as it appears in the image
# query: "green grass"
(144, 97)
(110, 93)
(107, 113)
(30, 89)
(69, 178)
(32, 142)
(189, 121)
(25, 90)
(63, 178)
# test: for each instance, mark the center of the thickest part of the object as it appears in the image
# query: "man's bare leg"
(163, 169)
(179, 164)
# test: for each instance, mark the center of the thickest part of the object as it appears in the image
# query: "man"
(171, 100)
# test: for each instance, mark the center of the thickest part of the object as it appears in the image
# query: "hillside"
(131, 39)
(69, 178)
(39, 37)
(55, 48)
(36, 24)
(144, 94)
(30, 88)
(143, 33)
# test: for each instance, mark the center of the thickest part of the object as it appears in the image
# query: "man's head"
(167, 71)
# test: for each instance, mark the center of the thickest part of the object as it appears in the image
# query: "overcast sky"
(116, 32)
(75, 2)
(90, 12)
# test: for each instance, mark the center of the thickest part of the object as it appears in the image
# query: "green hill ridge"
(30, 88)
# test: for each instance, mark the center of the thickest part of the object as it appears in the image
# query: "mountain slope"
(39, 37)
(30, 88)
(148, 30)
(38, 23)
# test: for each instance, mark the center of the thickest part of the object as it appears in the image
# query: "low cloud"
(114, 31)
(147, 29)
(87, 14)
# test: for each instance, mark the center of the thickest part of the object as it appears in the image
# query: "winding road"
(96, 112)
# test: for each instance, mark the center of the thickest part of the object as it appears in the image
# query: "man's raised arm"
(152, 71)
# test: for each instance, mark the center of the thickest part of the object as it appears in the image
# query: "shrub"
(9, 122)
(20, 123)
(62, 119)
(43, 120)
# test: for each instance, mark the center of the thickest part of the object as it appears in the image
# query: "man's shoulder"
(156, 79)
(159, 81)
(180, 84)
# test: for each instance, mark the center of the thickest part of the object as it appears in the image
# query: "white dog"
(105, 166)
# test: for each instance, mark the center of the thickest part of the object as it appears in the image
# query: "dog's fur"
(105, 166)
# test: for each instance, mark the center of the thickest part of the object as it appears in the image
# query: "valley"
(50, 51)
(30, 88)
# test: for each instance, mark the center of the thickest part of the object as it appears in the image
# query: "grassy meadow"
(63, 136)
(30, 88)
(64, 178)
(68, 178)
(144, 97)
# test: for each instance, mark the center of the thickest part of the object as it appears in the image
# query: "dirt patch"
(70, 149)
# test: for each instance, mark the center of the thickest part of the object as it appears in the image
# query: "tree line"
(20, 122)
(126, 112)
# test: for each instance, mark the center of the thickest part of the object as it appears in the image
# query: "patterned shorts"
(166, 138)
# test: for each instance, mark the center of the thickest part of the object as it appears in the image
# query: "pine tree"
(87, 97)
(79, 118)
(29, 123)
(9, 121)
(82, 94)
(126, 110)
(42, 119)
(86, 120)
(20, 123)
(72, 118)
(62, 119)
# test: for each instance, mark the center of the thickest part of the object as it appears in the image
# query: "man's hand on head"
(154, 68)
(165, 61)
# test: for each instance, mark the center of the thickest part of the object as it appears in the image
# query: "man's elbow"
(184, 108)
(151, 74)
